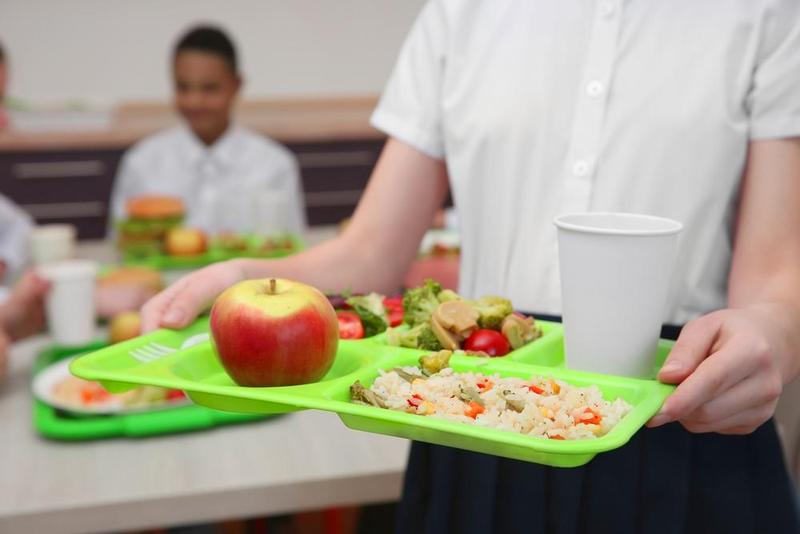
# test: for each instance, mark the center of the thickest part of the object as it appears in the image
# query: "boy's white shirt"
(219, 184)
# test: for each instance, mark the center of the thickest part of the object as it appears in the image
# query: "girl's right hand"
(183, 301)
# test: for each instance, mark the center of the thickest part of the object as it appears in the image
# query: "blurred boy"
(214, 166)
(15, 227)
(21, 314)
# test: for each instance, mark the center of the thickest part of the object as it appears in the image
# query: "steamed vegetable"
(437, 318)
(373, 314)
(435, 362)
(492, 310)
(519, 330)
(418, 337)
(363, 395)
(420, 302)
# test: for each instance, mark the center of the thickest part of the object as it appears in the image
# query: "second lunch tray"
(197, 371)
(214, 254)
(62, 425)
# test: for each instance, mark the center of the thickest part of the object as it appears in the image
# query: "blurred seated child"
(215, 166)
(15, 228)
(21, 314)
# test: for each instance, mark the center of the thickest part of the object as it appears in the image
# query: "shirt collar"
(222, 153)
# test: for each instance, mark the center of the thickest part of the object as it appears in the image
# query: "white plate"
(45, 381)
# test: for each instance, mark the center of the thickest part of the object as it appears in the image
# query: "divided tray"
(197, 371)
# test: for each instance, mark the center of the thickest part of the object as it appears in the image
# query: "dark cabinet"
(75, 186)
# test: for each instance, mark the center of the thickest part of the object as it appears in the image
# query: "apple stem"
(272, 286)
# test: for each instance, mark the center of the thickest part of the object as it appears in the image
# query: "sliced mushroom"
(519, 330)
(448, 340)
(457, 316)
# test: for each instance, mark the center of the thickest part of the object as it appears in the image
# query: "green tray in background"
(58, 424)
(197, 371)
(214, 254)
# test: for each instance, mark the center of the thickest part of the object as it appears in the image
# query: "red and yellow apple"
(185, 242)
(274, 332)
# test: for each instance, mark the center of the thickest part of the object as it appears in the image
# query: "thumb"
(693, 345)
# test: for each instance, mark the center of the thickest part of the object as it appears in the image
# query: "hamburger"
(149, 219)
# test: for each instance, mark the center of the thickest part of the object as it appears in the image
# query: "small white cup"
(615, 277)
(69, 304)
(271, 213)
(52, 242)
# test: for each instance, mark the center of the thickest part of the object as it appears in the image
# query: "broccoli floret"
(419, 302)
(418, 337)
(492, 311)
(447, 295)
(427, 340)
(373, 314)
(373, 324)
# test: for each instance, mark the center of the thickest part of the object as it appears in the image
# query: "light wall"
(106, 51)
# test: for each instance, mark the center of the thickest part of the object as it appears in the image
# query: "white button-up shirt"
(229, 186)
(542, 108)
(15, 229)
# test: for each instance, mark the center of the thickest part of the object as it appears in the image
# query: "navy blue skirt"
(665, 480)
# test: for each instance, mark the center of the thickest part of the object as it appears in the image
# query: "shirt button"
(607, 9)
(594, 88)
(580, 168)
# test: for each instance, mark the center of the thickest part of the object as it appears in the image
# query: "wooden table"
(302, 461)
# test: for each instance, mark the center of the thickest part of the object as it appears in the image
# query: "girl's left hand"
(730, 366)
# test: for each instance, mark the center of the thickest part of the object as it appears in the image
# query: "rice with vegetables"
(540, 406)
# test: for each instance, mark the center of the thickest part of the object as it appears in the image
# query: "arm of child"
(732, 364)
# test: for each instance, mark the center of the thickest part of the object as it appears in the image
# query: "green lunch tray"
(57, 424)
(214, 254)
(197, 371)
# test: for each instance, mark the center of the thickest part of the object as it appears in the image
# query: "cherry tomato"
(394, 309)
(491, 342)
(350, 326)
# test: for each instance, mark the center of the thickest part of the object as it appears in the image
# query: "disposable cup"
(69, 304)
(271, 213)
(52, 242)
(615, 271)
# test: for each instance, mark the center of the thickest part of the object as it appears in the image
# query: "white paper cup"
(615, 276)
(70, 303)
(271, 213)
(52, 242)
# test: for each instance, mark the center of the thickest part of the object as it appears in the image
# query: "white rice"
(557, 413)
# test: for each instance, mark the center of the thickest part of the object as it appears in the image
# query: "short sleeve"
(409, 109)
(774, 99)
(15, 229)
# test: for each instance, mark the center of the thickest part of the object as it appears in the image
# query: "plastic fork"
(153, 351)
